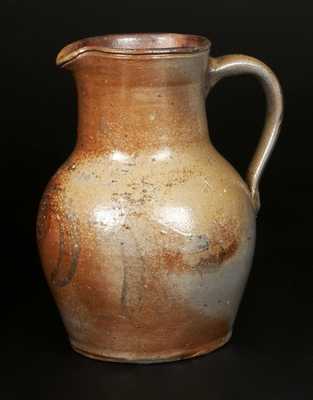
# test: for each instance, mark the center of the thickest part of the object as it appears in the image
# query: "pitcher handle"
(238, 64)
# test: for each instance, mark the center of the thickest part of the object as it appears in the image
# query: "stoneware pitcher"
(146, 234)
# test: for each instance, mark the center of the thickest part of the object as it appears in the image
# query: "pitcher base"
(155, 358)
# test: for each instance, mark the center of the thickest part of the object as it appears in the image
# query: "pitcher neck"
(143, 103)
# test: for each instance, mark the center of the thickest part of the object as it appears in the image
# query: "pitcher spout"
(72, 51)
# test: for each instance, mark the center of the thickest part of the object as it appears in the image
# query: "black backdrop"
(270, 355)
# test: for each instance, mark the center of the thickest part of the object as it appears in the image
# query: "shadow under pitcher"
(146, 234)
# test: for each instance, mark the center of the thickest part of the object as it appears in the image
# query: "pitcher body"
(146, 234)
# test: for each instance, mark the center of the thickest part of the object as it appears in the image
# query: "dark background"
(270, 355)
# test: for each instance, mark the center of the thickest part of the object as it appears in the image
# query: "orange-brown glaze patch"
(174, 261)
(224, 242)
(220, 247)
(58, 232)
(49, 204)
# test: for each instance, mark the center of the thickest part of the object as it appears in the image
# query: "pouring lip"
(132, 44)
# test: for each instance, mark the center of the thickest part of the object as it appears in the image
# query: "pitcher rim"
(129, 44)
